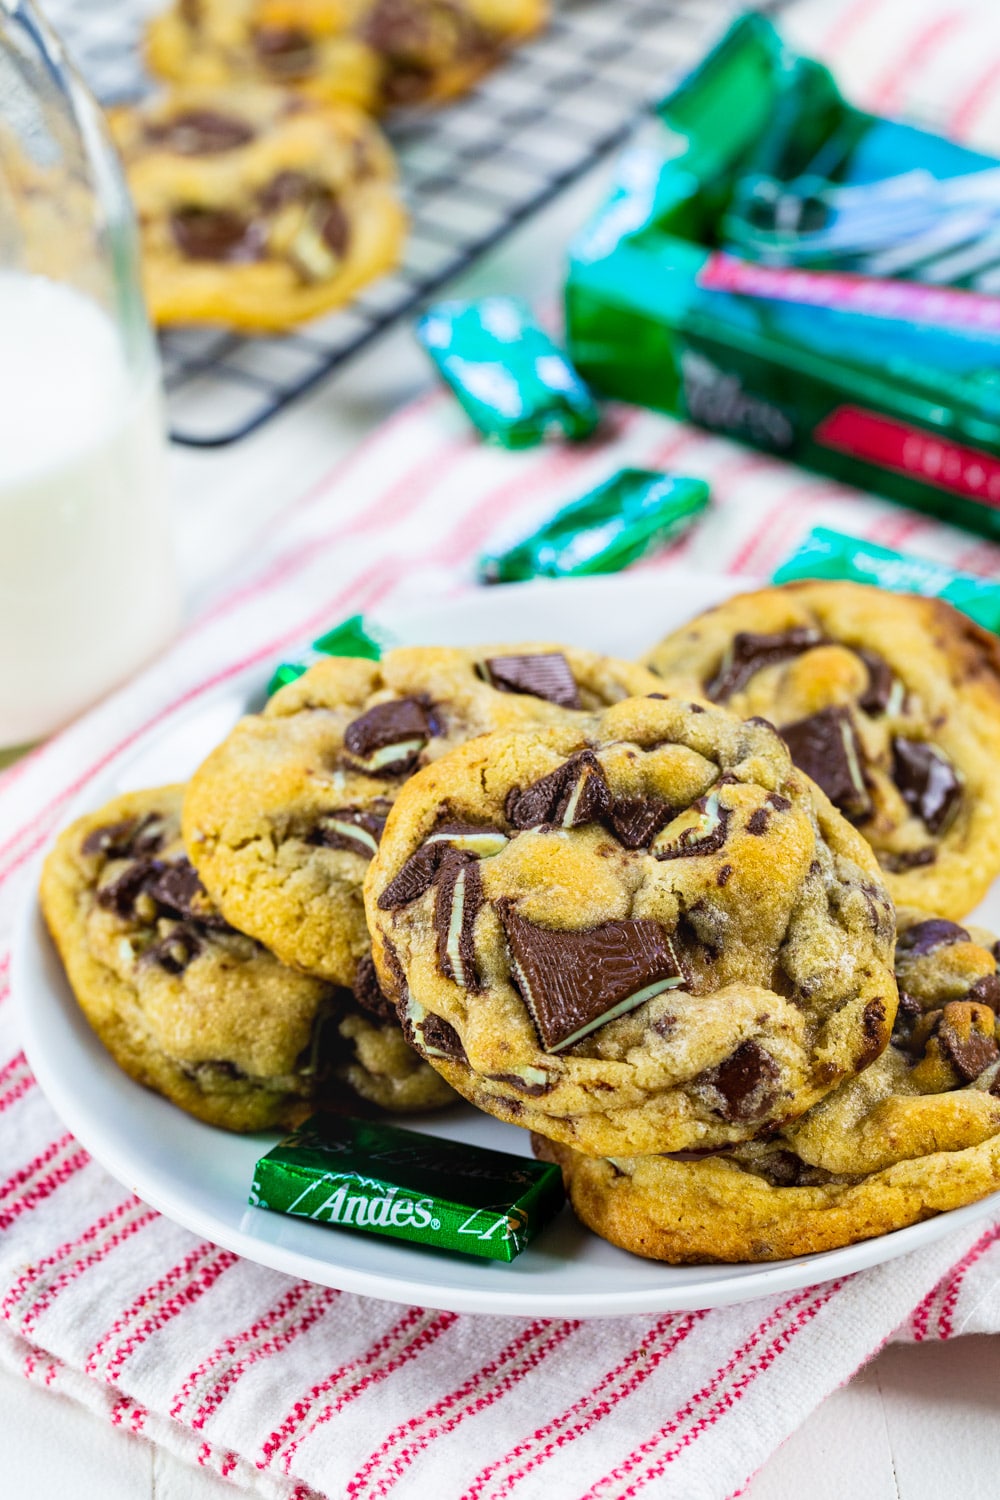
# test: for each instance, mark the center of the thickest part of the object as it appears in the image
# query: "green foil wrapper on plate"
(819, 282)
(621, 520)
(379, 1179)
(512, 381)
(832, 554)
(353, 637)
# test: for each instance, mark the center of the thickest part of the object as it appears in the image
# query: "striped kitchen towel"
(290, 1389)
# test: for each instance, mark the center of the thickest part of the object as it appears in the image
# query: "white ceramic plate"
(200, 1176)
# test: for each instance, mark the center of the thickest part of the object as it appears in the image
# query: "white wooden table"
(920, 1423)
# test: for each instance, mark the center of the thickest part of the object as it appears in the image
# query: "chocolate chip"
(393, 973)
(176, 888)
(335, 228)
(458, 903)
(910, 1009)
(873, 1033)
(884, 691)
(357, 829)
(533, 1088)
(120, 895)
(723, 874)
(416, 876)
(635, 821)
(438, 1038)
(744, 1083)
(368, 991)
(212, 1072)
(214, 234)
(574, 982)
(707, 836)
(750, 653)
(924, 937)
(284, 51)
(479, 839)
(545, 675)
(986, 991)
(758, 821)
(200, 132)
(387, 740)
(174, 952)
(695, 1153)
(968, 1047)
(287, 187)
(778, 802)
(785, 1169)
(927, 781)
(575, 792)
(129, 839)
(909, 859)
(826, 747)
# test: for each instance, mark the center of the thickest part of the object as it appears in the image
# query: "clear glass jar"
(88, 585)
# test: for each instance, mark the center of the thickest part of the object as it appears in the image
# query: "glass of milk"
(88, 586)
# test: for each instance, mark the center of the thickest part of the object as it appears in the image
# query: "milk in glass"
(87, 582)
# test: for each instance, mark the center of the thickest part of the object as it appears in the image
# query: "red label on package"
(912, 450)
(870, 296)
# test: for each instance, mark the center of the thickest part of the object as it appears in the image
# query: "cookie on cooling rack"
(199, 1012)
(257, 208)
(644, 932)
(283, 817)
(890, 702)
(373, 53)
(916, 1134)
(432, 50)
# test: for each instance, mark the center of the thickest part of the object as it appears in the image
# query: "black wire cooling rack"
(471, 172)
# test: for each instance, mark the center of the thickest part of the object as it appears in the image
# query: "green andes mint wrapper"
(364, 1175)
(611, 526)
(832, 554)
(512, 381)
(811, 279)
(353, 637)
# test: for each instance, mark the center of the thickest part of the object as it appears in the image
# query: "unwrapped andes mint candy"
(832, 554)
(353, 637)
(362, 1174)
(511, 380)
(610, 527)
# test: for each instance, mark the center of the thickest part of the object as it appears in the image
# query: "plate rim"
(744, 1282)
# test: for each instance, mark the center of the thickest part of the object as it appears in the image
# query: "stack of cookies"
(694, 923)
(265, 192)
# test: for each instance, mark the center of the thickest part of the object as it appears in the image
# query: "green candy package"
(513, 383)
(833, 554)
(353, 637)
(820, 282)
(378, 1179)
(605, 530)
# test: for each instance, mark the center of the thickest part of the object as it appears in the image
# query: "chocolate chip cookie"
(432, 50)
(647, 929)
(373, 53)
(256, 207)
(282, 818)
(916, 1134)
(311, 46)
(890, 702)
(196, 1010)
